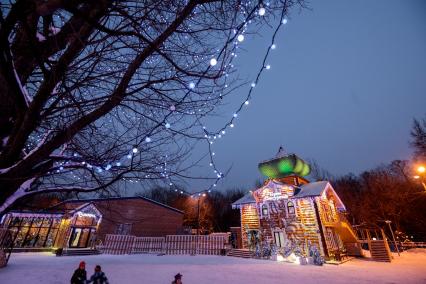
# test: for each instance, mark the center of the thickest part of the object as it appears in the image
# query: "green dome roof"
(284, 166)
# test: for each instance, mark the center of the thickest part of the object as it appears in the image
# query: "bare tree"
(418, 142)
(93, 92)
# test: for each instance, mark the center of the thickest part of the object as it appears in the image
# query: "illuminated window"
(290, 208)
(264, 210)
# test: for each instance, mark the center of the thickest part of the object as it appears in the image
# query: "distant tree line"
(210, 213)
(389, 192)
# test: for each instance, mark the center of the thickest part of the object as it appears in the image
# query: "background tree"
(98, 91)
(418, 142)
(385, 193)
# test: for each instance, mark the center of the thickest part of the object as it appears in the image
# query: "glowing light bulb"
(253, 85)
(268, 67)
(240, 38)
(235, 115)
(284, 21)
(273, 46)
(213, 62)
(192, 85)
(167, 125)
(135, 150)
(232, 125)
(147, 140)
(118, 164)
(246, 103)
(262, 11)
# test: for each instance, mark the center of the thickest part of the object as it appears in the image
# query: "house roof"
(246, 199)
(74, 203)
(312, 189)
(304, 190)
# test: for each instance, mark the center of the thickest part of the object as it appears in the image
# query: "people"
(178, 279)
(98, 277)
(80, 275)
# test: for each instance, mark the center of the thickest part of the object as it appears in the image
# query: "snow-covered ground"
(46, 268)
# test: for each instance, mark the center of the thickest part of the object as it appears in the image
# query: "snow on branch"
(22, 191)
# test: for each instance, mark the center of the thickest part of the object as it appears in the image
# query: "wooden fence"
(172, 244)
(118, 244)
(184, 244)
(148, 245)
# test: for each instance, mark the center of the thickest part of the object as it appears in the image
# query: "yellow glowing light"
(421, 169)
(416, 177)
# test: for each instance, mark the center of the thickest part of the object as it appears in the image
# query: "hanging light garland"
(209, 136)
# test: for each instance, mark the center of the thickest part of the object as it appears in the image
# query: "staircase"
(70, 252)
(244, 253)
(379, 250)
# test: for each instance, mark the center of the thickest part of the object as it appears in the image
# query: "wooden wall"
(249, 221)
(147, 218)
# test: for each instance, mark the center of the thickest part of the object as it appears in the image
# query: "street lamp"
(421, 171)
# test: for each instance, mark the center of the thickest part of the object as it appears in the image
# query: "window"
(123, 229)
(279, 239)
(34, 231)
(265, 210)
(290, 208)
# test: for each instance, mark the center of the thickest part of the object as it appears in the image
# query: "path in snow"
(46, 268)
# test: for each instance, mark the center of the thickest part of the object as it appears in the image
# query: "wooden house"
(83, 223)
(295, 214)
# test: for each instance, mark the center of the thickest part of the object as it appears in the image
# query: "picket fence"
(171, 244)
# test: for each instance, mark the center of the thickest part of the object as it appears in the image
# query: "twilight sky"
(346, 80)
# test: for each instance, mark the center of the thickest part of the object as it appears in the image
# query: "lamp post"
(198, 215)
(393, 237)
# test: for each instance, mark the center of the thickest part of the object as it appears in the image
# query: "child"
(80, 275)
(178, 279)
(99, 277)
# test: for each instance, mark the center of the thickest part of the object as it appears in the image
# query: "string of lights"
(210, 136)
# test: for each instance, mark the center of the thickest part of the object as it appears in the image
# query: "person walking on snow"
(99, 276)
(80, 275)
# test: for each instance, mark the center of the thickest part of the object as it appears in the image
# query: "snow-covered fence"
(172, 244)
(118, 244)
(148, 245)
(183, 244)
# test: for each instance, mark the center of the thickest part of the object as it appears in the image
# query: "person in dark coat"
(99, 276)
(178, 279)
(80, 275)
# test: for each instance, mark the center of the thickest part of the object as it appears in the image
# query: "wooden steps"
(380, 251)
(70, 252)
(240, 253)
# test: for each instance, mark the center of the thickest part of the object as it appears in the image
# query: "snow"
(54, 30)
(143, 268)
(40, 37)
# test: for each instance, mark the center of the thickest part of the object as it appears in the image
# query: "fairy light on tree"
(86, 107)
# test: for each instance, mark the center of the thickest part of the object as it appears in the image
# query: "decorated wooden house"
(294, 214)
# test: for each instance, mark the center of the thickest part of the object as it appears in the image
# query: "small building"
(294, 214)
(84, 223)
